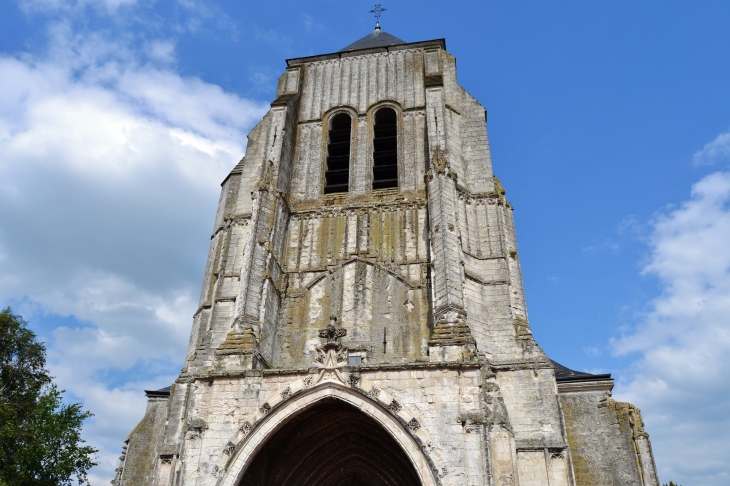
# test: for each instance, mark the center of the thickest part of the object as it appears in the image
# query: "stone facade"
(400, 309)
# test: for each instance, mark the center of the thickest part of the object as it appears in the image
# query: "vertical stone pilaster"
(503, 460)
(475, 460)
(451, 339)
(240, 346)
(646, 460)
(644, 453)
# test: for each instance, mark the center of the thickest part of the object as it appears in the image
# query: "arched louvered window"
(337, 176)
(385, 149)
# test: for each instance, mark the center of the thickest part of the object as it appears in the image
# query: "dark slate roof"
(566, 374)
(162, 392)
(377, 38)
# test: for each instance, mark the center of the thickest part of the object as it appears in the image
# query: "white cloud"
(607, 244)
(271, 36)
(716, 151)
(110, 164)
(311, 25)
(109, 6)
(592, 351)
(680, 381)
(161, 50)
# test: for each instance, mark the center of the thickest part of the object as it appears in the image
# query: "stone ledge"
(362, 369)
(521, 365)
(584, 386)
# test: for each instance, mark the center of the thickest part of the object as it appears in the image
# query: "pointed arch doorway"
(331, 443)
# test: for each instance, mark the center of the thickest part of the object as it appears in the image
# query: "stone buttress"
(395, 314)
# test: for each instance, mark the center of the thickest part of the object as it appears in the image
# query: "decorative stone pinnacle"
(331, 332)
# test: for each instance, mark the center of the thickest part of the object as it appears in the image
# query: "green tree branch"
(40, 436)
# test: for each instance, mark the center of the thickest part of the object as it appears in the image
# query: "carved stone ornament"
(286, 393)
(341, 356)
(245, 428)
(497, 416)
(332, 356)
(374, 392)
(330, 359)
(438, 159)
(557, 454)
(354, 380)
(197, 425)
(413, 425)
(229, 448)
(331, 333)
(394, 406)
(265, 408)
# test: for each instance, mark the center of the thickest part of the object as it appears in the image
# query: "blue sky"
(609, 125)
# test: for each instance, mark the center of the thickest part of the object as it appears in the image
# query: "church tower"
(362, 319)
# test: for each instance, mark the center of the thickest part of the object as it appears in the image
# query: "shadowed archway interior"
(331, 444)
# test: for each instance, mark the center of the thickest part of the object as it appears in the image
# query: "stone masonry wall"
(141, 451)
(605, 439)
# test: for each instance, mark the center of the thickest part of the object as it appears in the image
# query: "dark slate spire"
(377, 38)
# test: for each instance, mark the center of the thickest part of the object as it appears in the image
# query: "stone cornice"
(232, 220)
(362, 369)
(316, 208)
(521, 364)
(577, 386)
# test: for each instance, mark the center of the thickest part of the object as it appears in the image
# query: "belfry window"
(385, 149)
(337, 175)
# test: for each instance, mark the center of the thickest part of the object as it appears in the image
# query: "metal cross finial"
(377, 11)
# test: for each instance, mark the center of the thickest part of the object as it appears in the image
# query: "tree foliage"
(40, 436)
(671, 483)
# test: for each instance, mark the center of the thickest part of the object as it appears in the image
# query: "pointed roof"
(563, 373)
(377, 38)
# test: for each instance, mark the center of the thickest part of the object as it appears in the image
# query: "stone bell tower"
(362, 318)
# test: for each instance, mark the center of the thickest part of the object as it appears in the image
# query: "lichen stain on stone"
(584, 475)
(374, 304)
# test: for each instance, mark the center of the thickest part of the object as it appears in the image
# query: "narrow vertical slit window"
(385, 149)
(337, 175)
